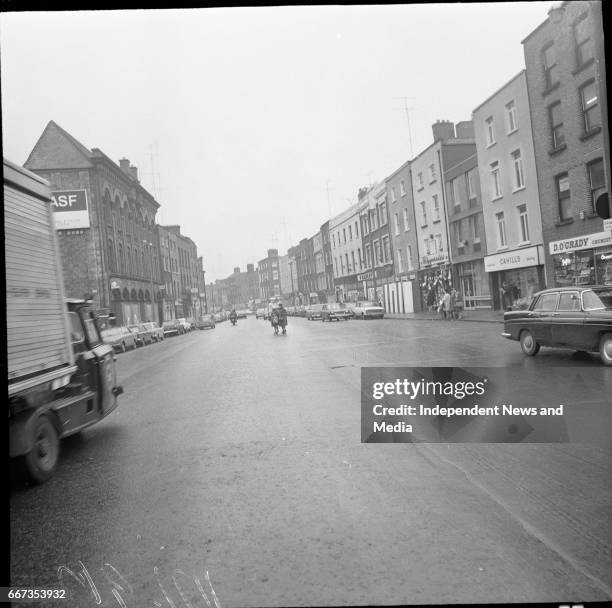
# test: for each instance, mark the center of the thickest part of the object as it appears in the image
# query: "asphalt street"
(232, 472)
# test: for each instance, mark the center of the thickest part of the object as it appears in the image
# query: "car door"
(539, 319)
(567, 323)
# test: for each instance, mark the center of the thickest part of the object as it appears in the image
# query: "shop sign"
(588, 241)
(605, 257)
(430, 260)
(70, 209)
(384, 271)
(520, 258)
(366, 276)
(608, 225)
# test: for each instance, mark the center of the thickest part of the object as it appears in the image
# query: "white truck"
(61, 375)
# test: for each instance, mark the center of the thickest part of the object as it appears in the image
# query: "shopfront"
(474, 285)
(434, 279)
(349, 288)
(515, 276)
(585, 260)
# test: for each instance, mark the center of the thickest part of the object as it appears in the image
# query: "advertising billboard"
(70, 209)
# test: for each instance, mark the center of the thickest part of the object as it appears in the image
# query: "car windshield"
(597, 300)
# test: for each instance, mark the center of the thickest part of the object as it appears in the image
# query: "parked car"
(335, 311)
(241, 314)
(193, 324)
(578, 318)
(300, 311)
(157, 333)
(120, 338)
(314, 312)
(367, 310)
(184, 325)
(171, 328)
(261, 313)
(206, 321)
(142, 334)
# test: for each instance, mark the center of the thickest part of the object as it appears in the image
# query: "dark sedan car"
(206, 321)
(331, 312)
(578, 318)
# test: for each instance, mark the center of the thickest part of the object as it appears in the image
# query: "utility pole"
(406, 109)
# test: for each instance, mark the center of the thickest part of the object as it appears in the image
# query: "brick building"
(111, 251)
(404, 296)
(565, 80)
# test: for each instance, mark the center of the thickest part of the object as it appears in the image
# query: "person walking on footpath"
(446, 305)
(453, 303)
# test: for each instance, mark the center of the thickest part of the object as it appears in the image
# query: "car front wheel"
(528, 343)
(605, 349)
(40, 463)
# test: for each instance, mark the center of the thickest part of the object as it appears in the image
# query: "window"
(350, 233)
(436, 207)
(547, 301)
(455, 194)
(334, 240)
(511, 116)
(471, 183)
(396, 223)
(517, 161)
(428, 246)
(400, 261)
(364, 224)
(563, 196)
(348, 266)
(377, 252)
(569, 300)
(402, 188)
(369, 255)
(409, 256)
(475, 229)
(459, 232)
(556, 125)
(590, 107)
(597, 180)
(374, 219)
(386, 249)
(344, 234)
(495, 180)
(383, 214)
(501, 230)
(393, 196)
(356, 229)
(360, 257)
(523, 223)
(438, 239)
(420, 180)
(549, 62)
(406, 222)
(353, 259)
(424, 213)
(490, 131)
(583, 41)
(432, 173)
(336, 265)
(341, 264)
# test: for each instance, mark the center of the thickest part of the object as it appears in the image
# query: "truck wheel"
(40, 463)
(605, 349)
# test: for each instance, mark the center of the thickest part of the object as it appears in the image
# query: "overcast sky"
(248, 116)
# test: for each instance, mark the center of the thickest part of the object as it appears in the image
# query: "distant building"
(106, 227)
(269, 276)
(566, 85)
(404, 294)
(510, 196)
(348, 256)
(451, 146)
(328, 262)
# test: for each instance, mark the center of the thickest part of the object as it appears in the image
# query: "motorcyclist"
(282, 317)
(233, 316)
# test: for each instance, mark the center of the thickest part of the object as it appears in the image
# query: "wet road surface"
(233, 463)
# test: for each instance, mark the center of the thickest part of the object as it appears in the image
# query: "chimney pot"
(124, 163)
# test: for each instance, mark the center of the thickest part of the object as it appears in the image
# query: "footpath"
(479, 316)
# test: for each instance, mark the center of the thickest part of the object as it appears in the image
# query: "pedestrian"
(506, 296)
(453, 303)
(446, 306)
(431, 299)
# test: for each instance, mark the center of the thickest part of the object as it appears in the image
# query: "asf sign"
(70, 209)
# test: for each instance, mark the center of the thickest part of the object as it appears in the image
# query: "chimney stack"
(465, 129)
(236, 269)
(124, 163)
(250, 268)
(134, 173)
(443, 129)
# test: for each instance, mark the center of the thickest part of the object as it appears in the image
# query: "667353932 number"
(16, 594)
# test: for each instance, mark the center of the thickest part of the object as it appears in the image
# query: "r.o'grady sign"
(70, 209)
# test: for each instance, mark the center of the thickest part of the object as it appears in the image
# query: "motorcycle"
(279, 322)
(234, 320)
